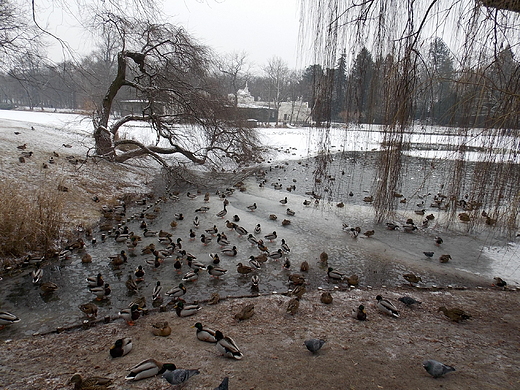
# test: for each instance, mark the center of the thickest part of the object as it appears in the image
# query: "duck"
(262, 258)
(359, 313)
(286, 264)
(222, 213)
(353, 280)
(293, 305)
(298, 291)
(215, 259)
(130, 284)
(119, 259)
(262, 247)
(283, 201)
(90, 309)
(336, 275)
(324, 258)
(241, 231)
(37, 275)
(131, 314)
(177, 292)
(48, 287)
(409, 301)
(212, 231)
(369, 233)
(499, 282)
(227, 346)
(271, 237)
(191, 196)
(252, 239)
(306, 202)
(429, 254)
(326, 298)
(411, 278)
(455, 314)
(214, 299)
(221, 240)
(278, 254)
(229, 251)
(444, 258)
(183, 310)
(290, 212)
(285, 248)
(139, 273)
(7, 318)
(191, 276)
(92, 383)
(296, 279)
(202, 209)
(121, 347)
(86, 258)
(255, 281)
(205, 334)
(387, 307)
(258, 229)
(438, 240)
(254, 263)
(252, 207)
(236, 218)
(96, 281)
(161, 328)
(139, 301)
(195, 264)
(246, 312)
(216, 271)
(273, 217)
(150, 233)
(157, 292)
(205, 239)
(148, 368)
(286, 222)
(244, 269)
(231, 225)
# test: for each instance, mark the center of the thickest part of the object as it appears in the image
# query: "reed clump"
(31, 221)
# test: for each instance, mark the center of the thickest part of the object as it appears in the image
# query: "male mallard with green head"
(205, 334)
(386, 307)
(227, 346)
(121, 347)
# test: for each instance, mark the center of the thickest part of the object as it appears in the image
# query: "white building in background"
(290, 112)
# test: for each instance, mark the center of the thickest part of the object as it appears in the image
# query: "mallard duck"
(326, 298)
(387, 307)
(229, 251)
(255, 281)
(314, 345)
(293, 305)
(86, 258)
(284, 201)
(252, 239)
(298, 291)
(94, 382)
(353, 280)
(304, 266)
(227, 346)
(359, 313)
(139, 273)
(246, 312)
(261, 246)
(148, 368)
(121, 347)
(130, 284)
(205, 239)
(324, 258)
(336, 275)
(96, 281)
(254, 263)
(202, 209)
(262, 258)
(296, 279)
(139, 301)
(222, 213)
(286, 264)
(244, 269)
(216, 271)
(177, 292)
(37, 275)
(222, 241)
(455, 314)
(215, 259)
(285, 248)
(231, 225)
(278, 254)
(191, 276)
(157, 292)
(241, 230)
(150, 233)
(499, 282)
(161, 328)
(438, 240)
(195, 264)
(191, 196)
(444, 258)
(252, 207)
(205, 334)
(436, 369)
(183, 310)
(90, 309)
(7, 318)
(258, 229)
(369, 233)
(272, 217)
(409, 301)
(286, 222)
(179, 376)
(131, 314)
(48, 287)
(429, 254)
(212, 231)
(411, 278)
(271, 237)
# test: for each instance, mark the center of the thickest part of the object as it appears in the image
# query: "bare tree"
(236, 71)
(278, 74)
(168, 73)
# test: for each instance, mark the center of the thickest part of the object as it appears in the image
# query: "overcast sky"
(261, 28)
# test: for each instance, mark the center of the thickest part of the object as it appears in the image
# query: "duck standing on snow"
(271, 237)
(216, 271)
(229, 251)
(191, 276)
(177, 292)
(244, 269)
(387, 307)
